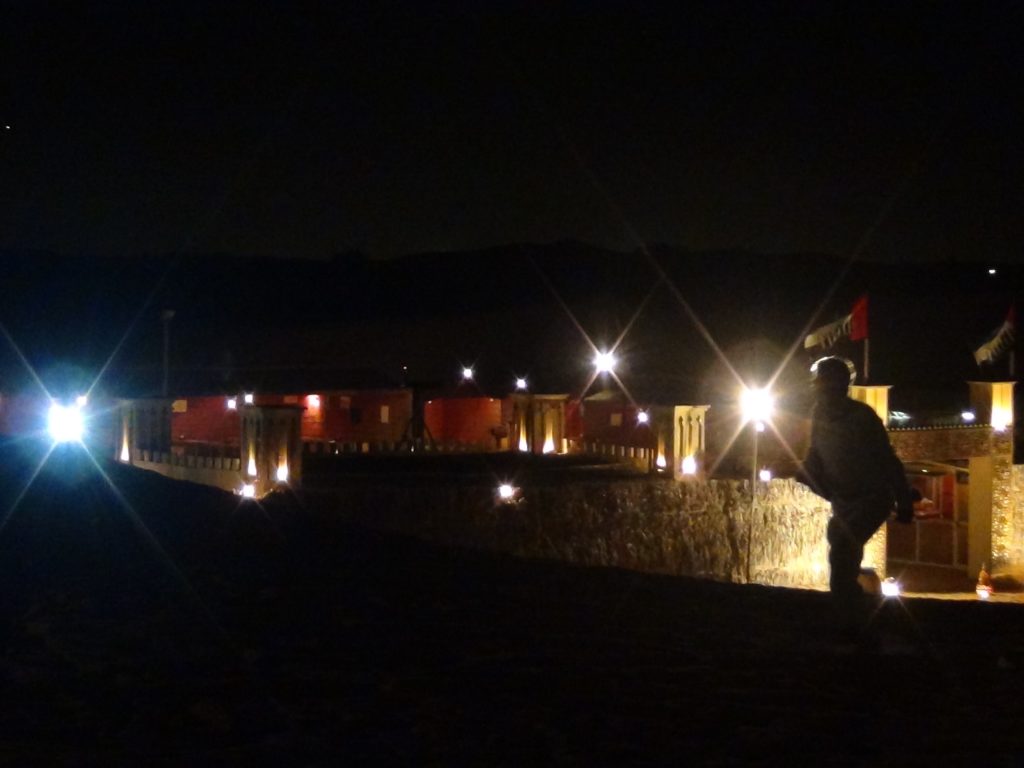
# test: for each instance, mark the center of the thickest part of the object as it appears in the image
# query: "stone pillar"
(689, 439)
(271, 446)
(145, 426)
(992, 402)
(875, 395)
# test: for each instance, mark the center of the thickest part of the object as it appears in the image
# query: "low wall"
(211, 472)
(691, 528)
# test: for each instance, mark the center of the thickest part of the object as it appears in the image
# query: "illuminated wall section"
(689, 440)
(992, 402)
(876, 395)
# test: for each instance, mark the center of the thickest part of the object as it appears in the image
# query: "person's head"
(832, 377)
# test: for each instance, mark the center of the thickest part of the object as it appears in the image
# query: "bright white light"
(313, 401)
(232, 403)
(992, 270)
(689, 465)
(250, 469)
(249, 491)
(759, 426)
(506, 491)
(765, 475)
(604, 362)
(1000, 419)
(125, 455)
(890, 587)
(967, 415)
(81, 400)
(757, 405)
(467, 374)
(983, 591)
(642, 417)
(661, 462)
(65, 424)
(899, 416)
(282, 473)
(249, 399)
(520, 383)
(549, 445)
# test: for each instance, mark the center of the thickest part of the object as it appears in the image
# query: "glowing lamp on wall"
(282, 472)
(232, 403)
(689, 466)
(313, 402)
(1000, 418)
(250, 468)
(249, 398)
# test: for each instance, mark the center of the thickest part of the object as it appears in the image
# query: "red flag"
(859, 319)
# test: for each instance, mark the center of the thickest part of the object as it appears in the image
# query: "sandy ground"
(166, 624)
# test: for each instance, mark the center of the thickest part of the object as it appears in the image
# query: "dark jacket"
(851, 461)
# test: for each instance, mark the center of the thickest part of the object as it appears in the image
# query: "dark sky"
(891, 130)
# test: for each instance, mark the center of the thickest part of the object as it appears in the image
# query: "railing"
(190, 461)
(335, 448)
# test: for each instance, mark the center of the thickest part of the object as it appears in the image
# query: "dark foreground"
(261, 637)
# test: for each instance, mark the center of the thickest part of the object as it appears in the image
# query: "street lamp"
(604, 362)
(756, 406)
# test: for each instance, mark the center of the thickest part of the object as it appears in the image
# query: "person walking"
(851, 464)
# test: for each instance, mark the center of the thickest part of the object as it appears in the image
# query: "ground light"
(65, 423)
(507, 492)
(890, 587)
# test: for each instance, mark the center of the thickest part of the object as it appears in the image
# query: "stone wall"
(1015, 522)
(690, 528)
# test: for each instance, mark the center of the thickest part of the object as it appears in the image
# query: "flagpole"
(867, 360)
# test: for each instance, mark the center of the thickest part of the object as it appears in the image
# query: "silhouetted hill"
(511, 310)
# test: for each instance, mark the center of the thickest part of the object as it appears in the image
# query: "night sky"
(887, 131)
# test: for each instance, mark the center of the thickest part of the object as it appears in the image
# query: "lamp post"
(165, 317)
(756, 406)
